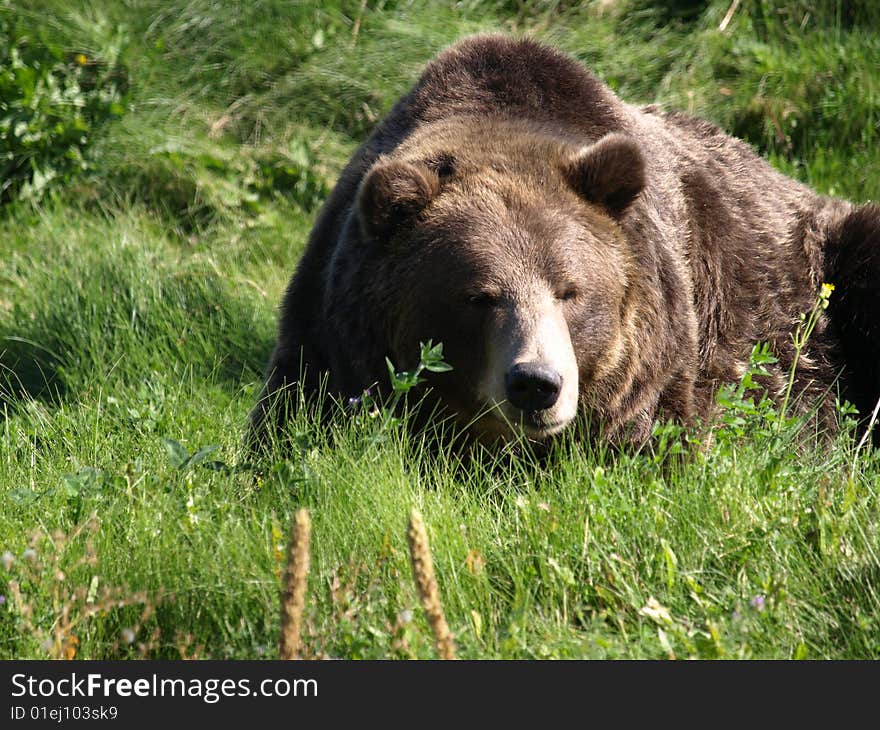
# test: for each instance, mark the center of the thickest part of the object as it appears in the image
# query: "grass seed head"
(426, 583)
(295, 579)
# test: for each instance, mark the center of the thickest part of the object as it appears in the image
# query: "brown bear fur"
(669, 247)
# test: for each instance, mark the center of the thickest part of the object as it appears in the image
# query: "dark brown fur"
(708, 249)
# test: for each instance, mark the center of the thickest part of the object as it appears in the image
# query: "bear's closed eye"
(484, 300)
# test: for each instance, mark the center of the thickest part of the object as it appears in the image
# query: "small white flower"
(655, 611)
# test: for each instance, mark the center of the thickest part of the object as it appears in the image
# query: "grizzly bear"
(574, 254)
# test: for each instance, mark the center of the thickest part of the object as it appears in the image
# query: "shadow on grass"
(120, 319)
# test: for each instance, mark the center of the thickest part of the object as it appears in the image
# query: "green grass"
(138, 306)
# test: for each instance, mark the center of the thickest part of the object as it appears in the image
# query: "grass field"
(162, 167)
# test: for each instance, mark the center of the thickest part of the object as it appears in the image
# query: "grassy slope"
(137, 304)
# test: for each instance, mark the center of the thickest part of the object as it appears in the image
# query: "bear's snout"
(532, 386)
(530, 374)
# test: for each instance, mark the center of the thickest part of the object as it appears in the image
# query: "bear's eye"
(483, 299)
(566, 295)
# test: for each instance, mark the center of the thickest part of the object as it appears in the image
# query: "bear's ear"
(392, 193)
(610, 173)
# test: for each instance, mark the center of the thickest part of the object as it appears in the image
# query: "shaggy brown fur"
(672, 248)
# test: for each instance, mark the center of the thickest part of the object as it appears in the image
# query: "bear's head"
(504, 243)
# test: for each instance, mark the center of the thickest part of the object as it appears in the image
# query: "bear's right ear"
(392, 193)
(610, 173)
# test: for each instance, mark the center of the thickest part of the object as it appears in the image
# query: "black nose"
(532, 386)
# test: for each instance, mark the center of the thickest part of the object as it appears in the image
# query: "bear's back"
(497, 75)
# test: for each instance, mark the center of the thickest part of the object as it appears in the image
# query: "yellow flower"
(825, 294)
(81, 59)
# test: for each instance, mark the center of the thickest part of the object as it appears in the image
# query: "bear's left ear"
(392, 193)
(610, 173)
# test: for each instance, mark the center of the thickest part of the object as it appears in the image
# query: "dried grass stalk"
(426, 582)
(295, 577)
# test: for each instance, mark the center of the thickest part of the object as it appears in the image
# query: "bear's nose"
(532, 386)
